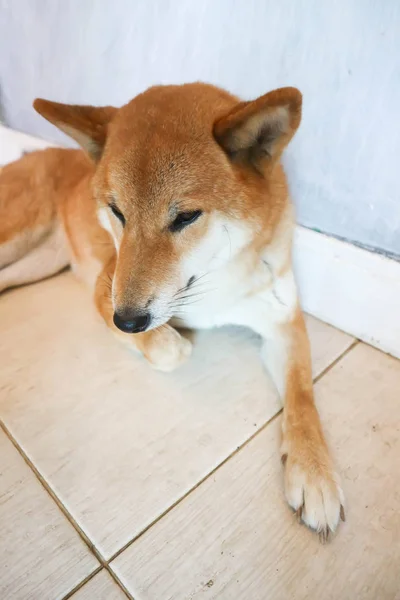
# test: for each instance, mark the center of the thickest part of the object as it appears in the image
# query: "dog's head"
(184, 181)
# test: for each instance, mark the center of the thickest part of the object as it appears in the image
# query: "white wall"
(344, 55)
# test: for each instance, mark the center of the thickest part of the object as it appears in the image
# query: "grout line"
(223, 462)
(70, 518)
(89, 577)
(53, 495)
(119, 582)
(336, 361)
(195, 486)
(106, 563)
(82, 583)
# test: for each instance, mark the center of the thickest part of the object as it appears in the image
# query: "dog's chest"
(208, 303)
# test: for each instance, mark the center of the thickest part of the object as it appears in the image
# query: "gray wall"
(344, 55)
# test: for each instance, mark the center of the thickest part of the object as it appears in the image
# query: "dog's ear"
(256, 132)
(87, 125)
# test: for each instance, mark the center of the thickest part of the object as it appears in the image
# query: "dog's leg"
(47, 258)
(32, 242)
(163, 347)
(14, 248)
(312, 486)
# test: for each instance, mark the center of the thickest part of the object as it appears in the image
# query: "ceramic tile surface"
(41, 555)
(101, 587)
(234, 537)
(118, 442)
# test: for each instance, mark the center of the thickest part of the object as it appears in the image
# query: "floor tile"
(41, 555)
(327, 343)
(118, 442)
(234, 537)
(101, 587)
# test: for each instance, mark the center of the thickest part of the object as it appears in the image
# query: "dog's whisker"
(229, 238)
(192, 285)
(174, 306)
(195, 295)
(197, 287)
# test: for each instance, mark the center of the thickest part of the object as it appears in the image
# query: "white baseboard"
(353, 289)
(350, 288)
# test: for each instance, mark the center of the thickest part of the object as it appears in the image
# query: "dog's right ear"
(87, 125)
(256, 132)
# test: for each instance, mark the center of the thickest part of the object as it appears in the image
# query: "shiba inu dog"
(177, 212)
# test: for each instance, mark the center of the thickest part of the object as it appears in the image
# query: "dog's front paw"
(312, 487)
(167, 349)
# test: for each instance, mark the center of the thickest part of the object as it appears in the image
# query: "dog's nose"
(132, 322)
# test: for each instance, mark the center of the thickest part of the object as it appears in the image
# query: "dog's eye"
(183, 219)
(117, 213)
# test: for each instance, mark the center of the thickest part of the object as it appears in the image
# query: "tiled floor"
(117, 481)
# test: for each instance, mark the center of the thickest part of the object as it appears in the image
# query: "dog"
(176, 211)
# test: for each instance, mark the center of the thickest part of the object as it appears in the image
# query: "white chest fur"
(218, 293)
(259, 283)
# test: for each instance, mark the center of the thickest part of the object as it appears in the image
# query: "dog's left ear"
(87, 125)
(257, 132)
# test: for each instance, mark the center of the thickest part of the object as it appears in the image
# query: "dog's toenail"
(299, 513)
